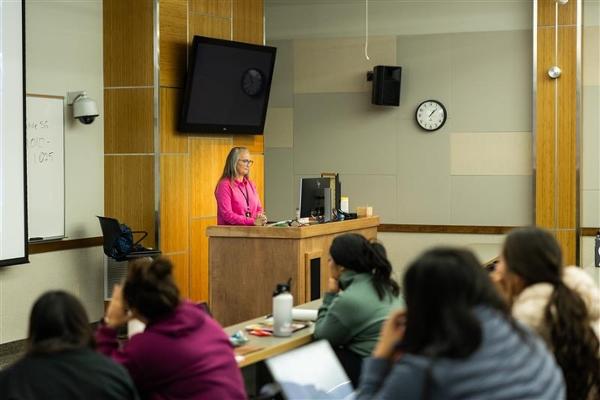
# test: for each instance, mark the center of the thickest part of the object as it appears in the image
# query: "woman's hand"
(260, 220)
(116, 315)
(392, 332)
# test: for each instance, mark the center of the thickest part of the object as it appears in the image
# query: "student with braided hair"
(360, 295)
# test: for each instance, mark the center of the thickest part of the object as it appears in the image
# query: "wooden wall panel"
(206, 25)
(248, 21)
(545, 125)
(128, 121)
(173, 42)
(171, 141)
(257, 174)
(568, 244)
(181, 272)
(174, 203)
(208, 156)
(254, 143)
(547, 13)
(129, 192)
(567, 129)
(556, 125)
(219, 8)
(128, 43)
(199, 258)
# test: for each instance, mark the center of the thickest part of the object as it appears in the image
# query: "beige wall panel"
(507, 153)
(337, 65)
(590, 209)
(254, 143)
(248, 21)
(128, 121)
(173, 42)
(128, 43)
(171, 141)
(219, 8)
(207, 159)
(279, 127)
(567, 133)
(403, 248)
(181, 272)
(174, 203)
(591, 56)
(257, 174)
(205, 25)
(544, 181)
(547, 13)
(199, 258)
(129, 192)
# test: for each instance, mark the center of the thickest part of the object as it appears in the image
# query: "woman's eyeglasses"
(247, 162)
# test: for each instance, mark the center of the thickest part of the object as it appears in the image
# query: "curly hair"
(535, 256)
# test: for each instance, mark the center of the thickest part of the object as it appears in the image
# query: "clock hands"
(434, 110)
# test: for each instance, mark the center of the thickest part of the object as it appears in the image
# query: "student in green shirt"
(360, 295)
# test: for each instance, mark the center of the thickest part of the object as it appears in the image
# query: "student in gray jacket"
(457, 340)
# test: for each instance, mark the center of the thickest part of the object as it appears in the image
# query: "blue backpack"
(124, 244)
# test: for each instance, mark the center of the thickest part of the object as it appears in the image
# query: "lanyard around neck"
(245, 196)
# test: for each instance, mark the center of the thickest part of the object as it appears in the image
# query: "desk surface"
(271, 345)
(233, 231)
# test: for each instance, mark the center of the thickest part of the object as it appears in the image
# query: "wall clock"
(252, 82)
(431, 115)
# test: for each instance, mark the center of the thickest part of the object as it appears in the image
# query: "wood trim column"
(555, 125)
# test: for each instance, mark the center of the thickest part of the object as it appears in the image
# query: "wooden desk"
(271, 345)
(247, 262)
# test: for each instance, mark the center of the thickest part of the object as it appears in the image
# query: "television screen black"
(227, 87)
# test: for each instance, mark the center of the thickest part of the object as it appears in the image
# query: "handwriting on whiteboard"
(40, 149)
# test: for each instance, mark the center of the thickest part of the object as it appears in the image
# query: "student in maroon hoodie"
(183, 353)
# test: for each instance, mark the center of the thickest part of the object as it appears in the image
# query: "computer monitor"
(312, 197)
(319, 197)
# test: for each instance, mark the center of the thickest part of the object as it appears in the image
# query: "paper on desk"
(302, 314)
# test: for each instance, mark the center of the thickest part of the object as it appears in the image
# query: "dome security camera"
(84, 108)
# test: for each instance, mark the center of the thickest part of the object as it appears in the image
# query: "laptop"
(311, 372)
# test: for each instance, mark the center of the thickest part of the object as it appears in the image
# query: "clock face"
(431, 115)
(252, 82)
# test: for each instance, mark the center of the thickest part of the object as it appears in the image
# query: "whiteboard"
(45, 167)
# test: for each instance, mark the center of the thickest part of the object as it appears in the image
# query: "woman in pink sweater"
(183, 353)
(237, 199)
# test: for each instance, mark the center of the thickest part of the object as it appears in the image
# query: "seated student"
(561, 304)
(360, 295)
(60, 362)
(183, 353)
(457, 340)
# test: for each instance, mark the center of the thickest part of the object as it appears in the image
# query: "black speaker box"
(386, 85)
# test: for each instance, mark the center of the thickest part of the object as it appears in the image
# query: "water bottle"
(283, 302)
(597, 251)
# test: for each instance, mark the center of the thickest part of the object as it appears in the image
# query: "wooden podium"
(246, 263)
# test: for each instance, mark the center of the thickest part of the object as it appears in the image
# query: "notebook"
(311, 372)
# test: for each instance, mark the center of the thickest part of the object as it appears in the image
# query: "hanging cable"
(367, 29)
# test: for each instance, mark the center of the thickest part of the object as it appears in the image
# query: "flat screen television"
(227, 87)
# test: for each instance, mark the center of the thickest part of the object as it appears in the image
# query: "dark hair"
(355, 252)
(58, 322)
(441, 289)
(150, 289)
(535, 256)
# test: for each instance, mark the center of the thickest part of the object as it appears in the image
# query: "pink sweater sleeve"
(106, 343)
(223, 195)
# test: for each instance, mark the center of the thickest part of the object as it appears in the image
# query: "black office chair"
(111, 231)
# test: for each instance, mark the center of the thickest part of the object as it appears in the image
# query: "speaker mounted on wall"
(386, 85)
